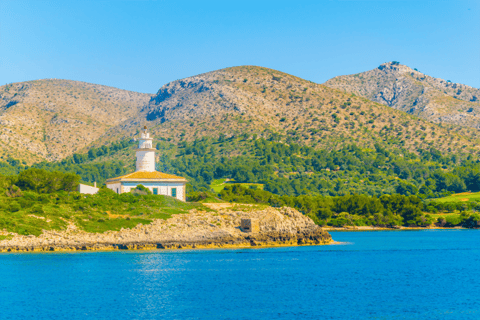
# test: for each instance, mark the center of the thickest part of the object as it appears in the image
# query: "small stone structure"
(250, 225)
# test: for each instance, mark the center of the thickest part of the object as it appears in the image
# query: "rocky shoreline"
(195, 230)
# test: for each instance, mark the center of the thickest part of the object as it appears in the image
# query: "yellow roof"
(145, 175)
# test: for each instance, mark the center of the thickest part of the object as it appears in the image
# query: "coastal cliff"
(220, 228)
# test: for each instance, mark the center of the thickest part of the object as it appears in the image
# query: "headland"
(232, 227)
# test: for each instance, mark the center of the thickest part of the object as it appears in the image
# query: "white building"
(86, 189)
(145, 174)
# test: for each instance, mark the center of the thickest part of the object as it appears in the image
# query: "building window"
(117, 190)
(174, 192)
(155, 190)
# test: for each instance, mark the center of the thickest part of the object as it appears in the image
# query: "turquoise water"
(374, 275)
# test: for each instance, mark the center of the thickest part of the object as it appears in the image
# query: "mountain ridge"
(406, 89)
(73, 116)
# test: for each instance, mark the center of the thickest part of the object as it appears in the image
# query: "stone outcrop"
(198, 229)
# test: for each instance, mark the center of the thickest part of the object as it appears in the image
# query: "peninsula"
(220, 226)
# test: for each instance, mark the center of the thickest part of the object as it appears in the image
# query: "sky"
(142, 45)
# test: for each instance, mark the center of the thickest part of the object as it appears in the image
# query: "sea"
(428, 274)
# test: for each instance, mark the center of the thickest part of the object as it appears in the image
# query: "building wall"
(86, 189)
(145, 144)
(146, 161)
(164, 188)
(117, 187)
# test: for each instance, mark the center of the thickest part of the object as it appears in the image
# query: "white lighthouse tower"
(158, 183)
(145, 153)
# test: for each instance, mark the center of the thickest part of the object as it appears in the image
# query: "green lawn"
(460, 197)
(219, 184)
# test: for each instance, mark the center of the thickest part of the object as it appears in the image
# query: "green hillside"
(53, 119)
(36, 200)
(284, 168)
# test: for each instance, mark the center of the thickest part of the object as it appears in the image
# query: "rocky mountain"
(411, 91)
(254, 100)
(50, 119)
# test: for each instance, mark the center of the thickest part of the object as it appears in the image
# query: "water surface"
(372, 275)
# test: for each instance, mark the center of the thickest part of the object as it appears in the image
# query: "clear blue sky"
(141, 45)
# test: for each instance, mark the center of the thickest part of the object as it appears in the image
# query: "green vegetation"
(218, 185)
(384, 186)
(358, 210)
(461, 197)
(293, 169)
(89, 166)
(33, 208)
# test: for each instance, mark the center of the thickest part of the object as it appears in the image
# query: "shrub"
(453, 221)
(142, 190)
(14, 207)
(42, 181)
(13, 191)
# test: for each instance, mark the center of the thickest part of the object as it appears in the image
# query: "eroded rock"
(198, 229)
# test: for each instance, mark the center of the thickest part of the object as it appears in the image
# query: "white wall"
(164, 188)
(146, 161)
(117, 187)
(83, 188)
(145, 144)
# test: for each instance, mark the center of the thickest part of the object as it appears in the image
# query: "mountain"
(50, 119)
(400, 87)
(252, 100)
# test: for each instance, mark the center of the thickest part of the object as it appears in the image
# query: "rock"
(198, 229)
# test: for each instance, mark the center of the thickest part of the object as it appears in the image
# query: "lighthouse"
(145, 153)
(158, 183)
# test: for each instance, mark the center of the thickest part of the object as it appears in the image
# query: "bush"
(37, 209)
(441, 222)
(142, 190)
(14, 207)
(473, 221)
(452, 221)
(13, 191)
(42, 181)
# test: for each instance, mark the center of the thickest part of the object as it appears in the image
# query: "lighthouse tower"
(158, 183)
(145, 153)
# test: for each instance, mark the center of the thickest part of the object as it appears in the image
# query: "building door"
(174, 192)
(155, 190)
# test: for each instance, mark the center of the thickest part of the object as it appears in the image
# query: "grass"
(461, 197)
(444, 215)
(219, 184)
(249, 207)
(32, 213)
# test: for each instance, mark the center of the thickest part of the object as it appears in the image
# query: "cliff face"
(411, 91)
(198, 229)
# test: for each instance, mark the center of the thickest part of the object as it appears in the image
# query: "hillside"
(411, 91)
(254, 100)
(50, 119)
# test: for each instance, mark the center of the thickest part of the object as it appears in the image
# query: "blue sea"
(431, 274)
